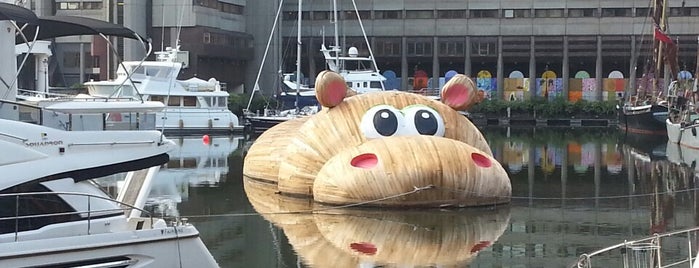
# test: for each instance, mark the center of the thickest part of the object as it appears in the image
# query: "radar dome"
(353, 52)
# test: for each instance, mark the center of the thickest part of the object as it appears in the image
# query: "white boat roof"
(99, 107)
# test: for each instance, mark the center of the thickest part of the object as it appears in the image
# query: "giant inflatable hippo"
(390, 148)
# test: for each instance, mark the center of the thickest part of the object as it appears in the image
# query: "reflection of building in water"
(515, 156)
(557, 216)
(193, 163)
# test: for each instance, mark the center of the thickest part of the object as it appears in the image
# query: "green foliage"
(238, 102)
(542, 108)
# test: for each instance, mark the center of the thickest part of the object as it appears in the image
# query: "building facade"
(571, 48)
(212, 32)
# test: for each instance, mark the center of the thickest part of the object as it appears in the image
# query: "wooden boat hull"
(647, 120)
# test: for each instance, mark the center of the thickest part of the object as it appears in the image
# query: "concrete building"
(499, 40)
(212, 32)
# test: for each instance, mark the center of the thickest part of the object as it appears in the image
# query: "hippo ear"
(459, 93)
(331, 88)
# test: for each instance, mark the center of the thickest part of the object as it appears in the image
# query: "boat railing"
(89, 214)
(648, 252)
(42, 94)
(426, 91)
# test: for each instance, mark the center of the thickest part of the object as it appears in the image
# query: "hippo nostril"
(366, 161)
(481, 160)
(364, 247)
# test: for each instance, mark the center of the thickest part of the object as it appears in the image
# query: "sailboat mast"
(298, 59)
(696, 71)
(659, 19)
(337, 35)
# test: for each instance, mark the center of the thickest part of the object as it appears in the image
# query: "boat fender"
(694, 131)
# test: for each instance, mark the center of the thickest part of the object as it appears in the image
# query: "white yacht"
(53, 215)
(191, 106)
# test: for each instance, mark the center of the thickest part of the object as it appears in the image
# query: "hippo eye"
(381, 121)
(423, 120)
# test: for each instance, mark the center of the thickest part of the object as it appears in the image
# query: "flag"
(661, 36)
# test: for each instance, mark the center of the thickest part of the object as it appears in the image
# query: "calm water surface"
(574, 191)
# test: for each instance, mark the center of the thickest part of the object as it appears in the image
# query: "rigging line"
(256, 86)
(570, 198)
(310, 211)
(179, 21)
(162, 29)
(366, 39)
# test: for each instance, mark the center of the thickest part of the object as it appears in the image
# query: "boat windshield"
(152, 71)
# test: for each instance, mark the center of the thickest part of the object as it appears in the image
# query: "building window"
(548, 13)
(419, 14)
(231, 8)
(616, 12)
(387, 47)
(95, 61)
(642, 12)
(290, 15)
(582, 12)
(321, 15)
(206, 38)
(351, 15)
(522, 13)
(484, 13)
(483, 48)
(207, 3)
(684, 11)
(388, 14)
(451, 14)
(451, 48)
(69, 6)
(71, 59)
(419, 48)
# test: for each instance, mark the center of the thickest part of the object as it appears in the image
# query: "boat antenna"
(256, 86)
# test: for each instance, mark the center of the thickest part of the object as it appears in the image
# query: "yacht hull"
(167, 247)
(197, 121)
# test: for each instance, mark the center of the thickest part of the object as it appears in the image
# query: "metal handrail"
(110, 143)
(584, 261)
(90, 212)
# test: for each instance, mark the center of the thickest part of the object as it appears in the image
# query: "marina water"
(574, 191)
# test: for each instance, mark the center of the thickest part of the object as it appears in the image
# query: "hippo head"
(388, 148)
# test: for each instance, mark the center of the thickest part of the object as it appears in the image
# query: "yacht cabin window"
(222, 102)
(375, 84)
(189, 101)
(38, 210)
(173, 101)
(157, 98)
